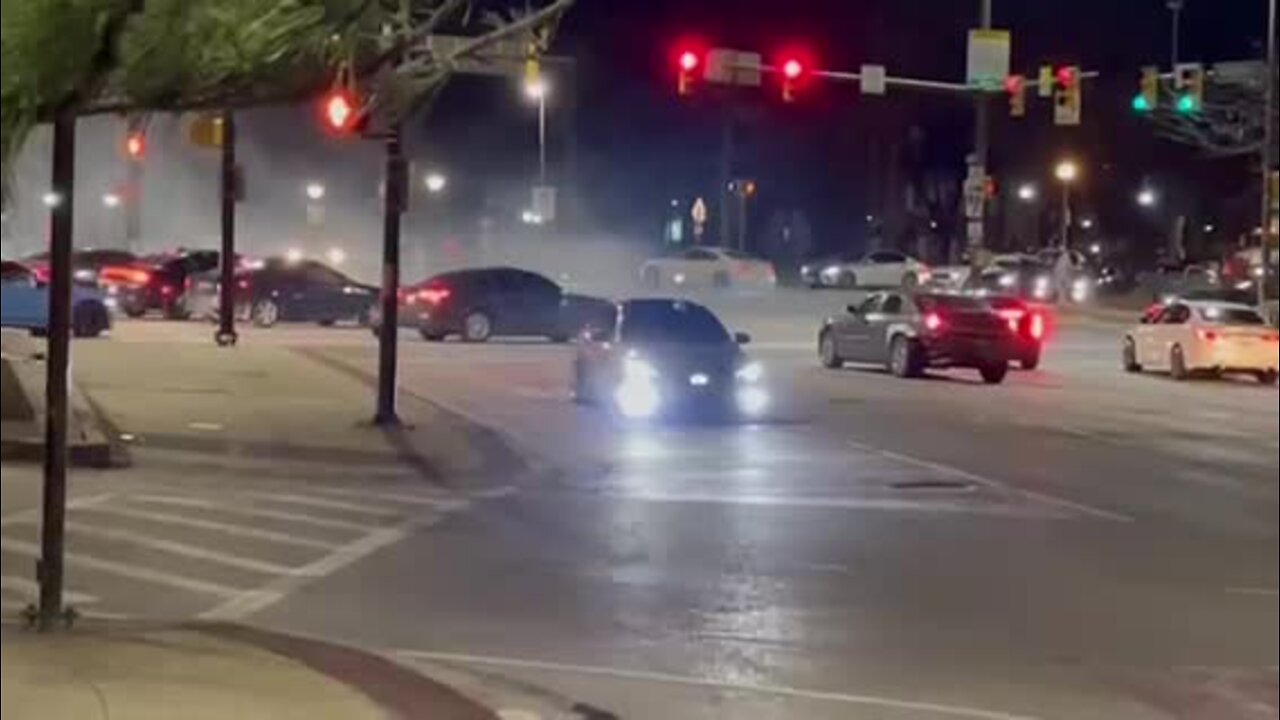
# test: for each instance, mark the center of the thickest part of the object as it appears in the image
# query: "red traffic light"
(1067, 77)
(1015, 84)
(340, 111)
(793, 68)
(689, 61)
(135, 146)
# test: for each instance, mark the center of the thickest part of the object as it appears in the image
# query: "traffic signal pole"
(1268, 153)
(389, 333)
(50, 571)
(982, 141)
(226, 336)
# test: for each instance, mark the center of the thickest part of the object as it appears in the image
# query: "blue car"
(24, 304)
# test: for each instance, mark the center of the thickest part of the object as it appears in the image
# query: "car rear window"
(1240, 317)
(671, 322)
(957, 303)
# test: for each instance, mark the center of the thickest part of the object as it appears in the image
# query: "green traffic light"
(1142, 104)
(1187, 104)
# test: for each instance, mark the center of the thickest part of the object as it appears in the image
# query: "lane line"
(871, 701)
(1255, 592)
(1053, 500)
(441, 503)
(131, 572)
(27, 516)
(237, 531)
(837, 503)
(181, 549)
(31, 591)
(321, 503)
(256, 512)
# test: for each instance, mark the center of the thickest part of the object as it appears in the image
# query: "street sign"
(544, 203)
(874, 80)
(205, 132)
(699, 215)
(990, 58)
(734, 67)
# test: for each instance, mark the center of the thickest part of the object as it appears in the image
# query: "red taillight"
(1208, 335)
(435, 296)
(1013, 316)
(1037, 326)
(134, 277)
(1273, 338)
(42, 274)
(933, 322)
(167, 291)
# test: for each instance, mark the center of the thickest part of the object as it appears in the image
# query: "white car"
(884, 269)
(1216, 338)
(708, 267)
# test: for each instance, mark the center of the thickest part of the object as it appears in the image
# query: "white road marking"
(30, 590)
(1052, 500)
(205, 426)
(321, 503)
(27, 516)
(247, 604)
(224, 528)
(921, 505)
(440, 503)
(869, 701)
(256, 512)
(132, 572)
(180, 549)
(1256, 592)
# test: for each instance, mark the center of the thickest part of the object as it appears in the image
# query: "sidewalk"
(210, 673)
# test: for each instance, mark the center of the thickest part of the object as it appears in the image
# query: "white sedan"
(1214, 338)
(708, 267)
(883, 269)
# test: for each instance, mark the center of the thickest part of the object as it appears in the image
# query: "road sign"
(544, 203)
(990, 58)
(734, 67)
(874, 79)
(699, 215)
(205, 131)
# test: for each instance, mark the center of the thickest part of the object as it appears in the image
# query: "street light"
(1148, 198)
(111, 201)
(537, 91)
(1067, 173)
(51, 199)
(1087, 223)
(435, 183)
(315, 192)
(1028, 193)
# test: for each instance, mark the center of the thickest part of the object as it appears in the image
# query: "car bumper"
(1257, 356)
(967, 352)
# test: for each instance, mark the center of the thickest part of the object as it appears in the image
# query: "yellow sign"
(206, 132)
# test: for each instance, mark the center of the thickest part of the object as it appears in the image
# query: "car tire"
(327, 323)
(266, 313)
(177, 313)
(88, 321)
(1030, 361)
(828, 352)
(904, 358)
(133, 312)
(1268, 377)
(1131, 364)
(1178, 364)
(477, 327)
(994, 373)
(431, 337)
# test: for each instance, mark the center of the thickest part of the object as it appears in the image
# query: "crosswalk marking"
(133, 572)
(322, 503)
(180, 549)
(443, 504)
(257, 512)
(239, 531)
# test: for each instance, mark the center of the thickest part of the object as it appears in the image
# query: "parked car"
(882, 269)
(666, 357)
(24, 304)
(708, 267)
(482, 304)
(911, 332)
(1198, 337)
(1170, 282)
(281, 290)
(167, 281)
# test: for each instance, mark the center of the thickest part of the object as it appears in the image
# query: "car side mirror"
(742, 338)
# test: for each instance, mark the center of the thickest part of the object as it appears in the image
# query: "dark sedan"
(479, 305)
(304, 291)
(910, 333)
(167, 280)
(667, 357)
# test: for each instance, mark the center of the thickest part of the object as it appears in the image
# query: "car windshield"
(671, 322)
(1232, 316)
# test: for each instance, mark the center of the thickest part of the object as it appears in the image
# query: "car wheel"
(266, 313)
(177, 313)
(904, 357)
(87, 321)
(910, 281)
(1131, 364)
(1030, 361)
(432, 337)
(1268, 377)
(134, 312)
(829, 353)
(477, 327)
(994, 373)
(1178, 364)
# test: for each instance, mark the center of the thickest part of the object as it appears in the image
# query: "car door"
(699, 267)
(24, 304)
(1166, 333)
(853, 332)
(536, 305)
(890, 313)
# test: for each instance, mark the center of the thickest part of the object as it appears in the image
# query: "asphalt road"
(1077, 543)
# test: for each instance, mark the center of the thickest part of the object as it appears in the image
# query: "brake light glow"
(42, 274)
(1037, 327)
(1273, 338)
(435, 296)
(933, 322)
(167, 291)
(1014, 317)
(1208, 335)
(135, 277)
(243, 284)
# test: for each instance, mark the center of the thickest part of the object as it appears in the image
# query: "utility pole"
(389, 333)
(982, 140)
(133, 204)
(1175, 45)
(1268, 152)
(726, 177)
(226, 336)
(50, 571)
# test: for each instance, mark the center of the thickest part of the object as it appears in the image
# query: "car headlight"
(1080, 290)
(638, 370)
(1008, 280)
(1043, 287)
(750, 373)
(638, 397)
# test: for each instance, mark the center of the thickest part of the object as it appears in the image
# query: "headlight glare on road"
(638, 396)
(750, 373)
(753, 400)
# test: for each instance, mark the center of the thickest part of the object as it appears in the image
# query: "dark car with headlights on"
(667, 358)
(910, 333)
(1022, 277)
(306, 291)
(482, 304)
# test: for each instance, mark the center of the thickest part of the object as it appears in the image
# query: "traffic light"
(688, 61)
(340, 112)
(793, 72)
(135, 146)
(1148, 97)
(1068, 77)
(1016, 86)
(1068, 100)
(1189, 80)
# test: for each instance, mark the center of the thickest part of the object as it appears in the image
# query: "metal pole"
(542, 139)
(982, 142)
(133, 204)
(389, 333)
(1268, 153)
(726, 177)
(1175, 7)
(53, 527)
(1066, 216)
(226, 336)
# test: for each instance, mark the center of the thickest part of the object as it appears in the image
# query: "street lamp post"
(1175, 49)
(537, 91)
(1067, 172)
